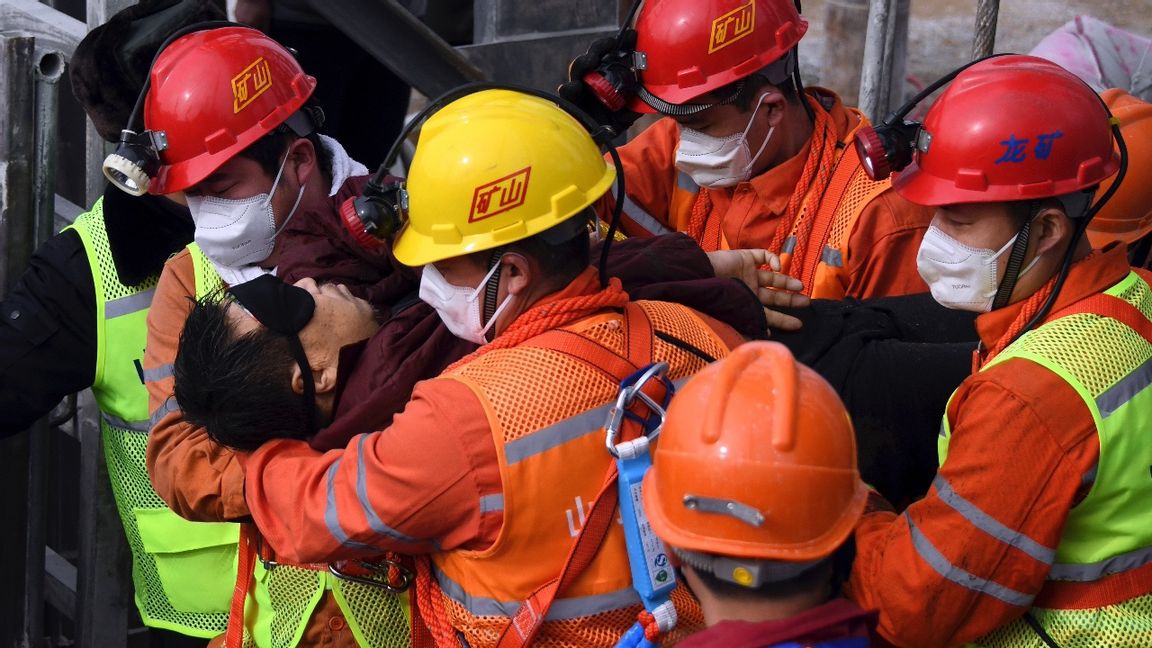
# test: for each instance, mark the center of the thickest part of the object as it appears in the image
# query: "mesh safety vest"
(1110, 366)
(182, 572)
(283, 597)
(832, 216)
(546, 410)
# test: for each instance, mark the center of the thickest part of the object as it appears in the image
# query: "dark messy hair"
(237, 387)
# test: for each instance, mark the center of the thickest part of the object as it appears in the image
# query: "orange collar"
(1088, 276)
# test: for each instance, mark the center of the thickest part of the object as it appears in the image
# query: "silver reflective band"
(158, 373)
(133, 303)
(370, 514)
(132, 426)
(685, 182)
(331, 517)
(490, 503)
(832, 257)
(986, 523)
(961, 577)
(562, 608)
(1125, 390)
(641, 217)
(167, 407)
(731, 508)
(1097, 570)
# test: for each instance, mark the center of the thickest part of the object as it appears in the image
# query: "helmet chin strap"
(1015, 260)
(491, 290)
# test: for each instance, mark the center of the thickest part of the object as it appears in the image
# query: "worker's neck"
(792, 136)
(719, 608)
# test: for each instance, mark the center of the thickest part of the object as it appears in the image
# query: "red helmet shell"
(215, 92)
(695, 46)
(1006, 129)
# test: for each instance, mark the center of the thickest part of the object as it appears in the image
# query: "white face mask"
(719, 161)
(457, 306)
(961, 277)
(237, 234)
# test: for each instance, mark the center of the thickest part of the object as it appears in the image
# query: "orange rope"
(813, 182)
(551, 315)
(651, 628)
(1031, 306)
(428, 610)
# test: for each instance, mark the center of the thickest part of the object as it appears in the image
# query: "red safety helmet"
(690, 47)
(215, 92)
(757, 459)
(1127, 216)
(1006, 129)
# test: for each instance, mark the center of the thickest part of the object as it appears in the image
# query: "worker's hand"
(760, 271)
(612, 60)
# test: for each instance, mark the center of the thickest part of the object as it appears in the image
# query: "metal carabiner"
(630, 390)
(378, 574)
(268, 563)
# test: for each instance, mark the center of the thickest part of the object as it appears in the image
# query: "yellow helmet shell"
(495, 167)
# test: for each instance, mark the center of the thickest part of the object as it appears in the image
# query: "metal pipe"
(392, 35)
(872, 74)
(984, 42)
(19, 625)
(48, 73)
(845, 24)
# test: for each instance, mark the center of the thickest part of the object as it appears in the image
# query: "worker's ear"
(519, 272)
(324, 378)
(1051, 229)
(774, 104)
(301, 161)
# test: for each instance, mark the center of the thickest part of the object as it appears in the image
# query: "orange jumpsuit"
(878, 255)
(198, 479)
(973, 555)
(429, 483)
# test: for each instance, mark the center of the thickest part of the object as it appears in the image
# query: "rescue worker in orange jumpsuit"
(493, 469)
(1035, 531)
(230, 125)
(747, 157)
(754, 490)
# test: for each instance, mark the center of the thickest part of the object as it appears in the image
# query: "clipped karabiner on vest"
(653, 577)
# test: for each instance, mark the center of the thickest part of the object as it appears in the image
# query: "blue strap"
(653, 577)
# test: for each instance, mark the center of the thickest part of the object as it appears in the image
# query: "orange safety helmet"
(686, 48)
(215, 92)
(757, 459)
(1127, 216)
(1010, 128)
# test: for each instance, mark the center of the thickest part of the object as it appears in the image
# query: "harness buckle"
(387, 574)
(631, 390)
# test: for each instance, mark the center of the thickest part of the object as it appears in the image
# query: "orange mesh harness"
(814, 181)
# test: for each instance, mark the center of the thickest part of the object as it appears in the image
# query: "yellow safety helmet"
(492, 168)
